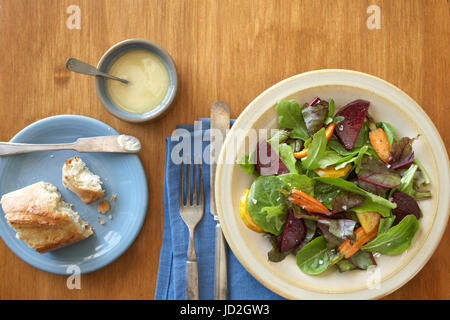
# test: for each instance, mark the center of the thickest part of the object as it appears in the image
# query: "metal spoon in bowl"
(115, 144)
(81, 67)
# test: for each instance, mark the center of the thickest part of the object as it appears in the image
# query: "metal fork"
(191, 213)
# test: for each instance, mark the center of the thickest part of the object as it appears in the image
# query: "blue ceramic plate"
(122, 175)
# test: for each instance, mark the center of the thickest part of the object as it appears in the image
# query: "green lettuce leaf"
(267, 204)
(286, 155)
(298, 181)
(406, 182)
(369, 205)
(290, 117)
(313, 258)
(247, 164)
(316, 151)
(385, 224)
(397, 239)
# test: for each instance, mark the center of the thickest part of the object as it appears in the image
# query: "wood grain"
(224, 50)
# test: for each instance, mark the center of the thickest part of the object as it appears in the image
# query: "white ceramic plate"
(387, 103)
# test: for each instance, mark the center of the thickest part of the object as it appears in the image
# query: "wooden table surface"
(224, 50)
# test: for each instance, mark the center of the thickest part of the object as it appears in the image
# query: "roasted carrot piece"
(329, 130)
(348, 249)
(328, 133)
(380, 143)
(345, 247)
(307, 202)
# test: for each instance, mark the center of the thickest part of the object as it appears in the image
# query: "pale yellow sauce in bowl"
(152, 81)
(148, 81)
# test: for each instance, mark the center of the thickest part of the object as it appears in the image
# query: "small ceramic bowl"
(387, 103)
(117, 50)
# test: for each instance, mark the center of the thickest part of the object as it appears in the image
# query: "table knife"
(114, 144)
(220, 123)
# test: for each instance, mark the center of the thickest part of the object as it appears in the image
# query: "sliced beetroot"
(314, 115)
(375, 171)
(293, 233)
(348, 129)
(402, 153)
(405, 205)
(267, 160)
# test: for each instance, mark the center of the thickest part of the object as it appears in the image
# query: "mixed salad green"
(333, 188)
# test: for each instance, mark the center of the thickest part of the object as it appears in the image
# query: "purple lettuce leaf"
(375, 171)
(345, 265)
(419, 185)
(267, 160)
(293, 233)
(311, 228)
(405, 205)
(275, 255)
(348, 129)
(331, 239)
(303, 214)
(373, 188)
(419, 180)
(346, 200)
(341, 228)
(335, 231)
(342, 215)
(314, 115)
(402, 153)
(362, 260)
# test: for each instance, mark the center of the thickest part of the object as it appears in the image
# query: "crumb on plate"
(103, 207)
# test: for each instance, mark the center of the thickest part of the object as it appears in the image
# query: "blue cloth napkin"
(171, 279)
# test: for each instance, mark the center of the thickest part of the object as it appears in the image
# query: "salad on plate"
(333, 188)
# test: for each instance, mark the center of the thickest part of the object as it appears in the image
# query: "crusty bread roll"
(77, 177)
(42, 219)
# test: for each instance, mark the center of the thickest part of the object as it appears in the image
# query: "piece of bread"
(42, 219)
(77, 177)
